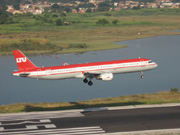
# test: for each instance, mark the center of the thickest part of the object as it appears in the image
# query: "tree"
(62, 14)
(88, 10)
(68, 9)
(54, 16)
(102, 22)
(55, 6)
(174, 90)
(89, 5)
(27, 2)
(136, 7)
(115, 22)
(104, 6)
(15, 4)
(58, 22)
(5, 17)
(107, 14)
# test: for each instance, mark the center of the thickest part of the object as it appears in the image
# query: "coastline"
(66, 51)
(138, 99)
(95, 37)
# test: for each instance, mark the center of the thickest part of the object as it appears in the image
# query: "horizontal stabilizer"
(24, 75)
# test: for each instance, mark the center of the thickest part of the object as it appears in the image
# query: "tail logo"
(20, 60)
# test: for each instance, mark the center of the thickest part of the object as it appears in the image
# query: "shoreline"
(60, 52)
(138, 99)
(79, 51)
(50, 39)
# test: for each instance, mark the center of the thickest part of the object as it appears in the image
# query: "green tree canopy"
(55, 6)
(89, 5)
(115, 22)
(102, 22)
(59, 22)
(15, 3)
(104, 6)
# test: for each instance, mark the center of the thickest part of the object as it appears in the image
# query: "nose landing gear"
(142, 76)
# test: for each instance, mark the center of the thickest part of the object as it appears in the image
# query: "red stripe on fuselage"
(88, 64)
(96, 64)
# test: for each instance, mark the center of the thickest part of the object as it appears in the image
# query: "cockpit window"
(150, 61)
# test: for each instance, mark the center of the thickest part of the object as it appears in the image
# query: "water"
(163, 49)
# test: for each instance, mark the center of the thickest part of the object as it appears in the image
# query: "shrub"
(115, 22)
(59, 22)
(102, 22)
(54, 16)
(29, 45)
(174, 90)
(75, 45)
(14, 46)
(107, 14)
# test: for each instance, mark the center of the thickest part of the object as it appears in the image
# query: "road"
(90, 122)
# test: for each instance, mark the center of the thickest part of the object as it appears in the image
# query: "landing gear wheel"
(142, 77)
(85, 80)
(90, 83)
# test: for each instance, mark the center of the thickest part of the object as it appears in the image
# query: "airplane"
(87, 71)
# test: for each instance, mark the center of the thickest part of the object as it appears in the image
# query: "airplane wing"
(93, 74)
(89, 74)
(99, 75)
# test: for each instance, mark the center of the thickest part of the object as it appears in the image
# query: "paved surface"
(91, 122)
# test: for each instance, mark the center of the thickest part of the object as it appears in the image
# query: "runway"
(91, 122)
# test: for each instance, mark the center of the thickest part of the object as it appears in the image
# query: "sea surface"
(164, 50)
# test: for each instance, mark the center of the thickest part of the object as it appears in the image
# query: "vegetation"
(97, 30)
(157, 98)
(58, 22)
(77, 45)
(115, 22)
(28, 44)
(174, 90)
(104, 6)
(15, 3)
(102, 22)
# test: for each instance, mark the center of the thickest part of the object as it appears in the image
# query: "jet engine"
(105, 77)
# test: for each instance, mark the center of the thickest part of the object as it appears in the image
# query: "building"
(14, 11)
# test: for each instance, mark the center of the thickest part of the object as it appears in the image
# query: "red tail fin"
(22, 61)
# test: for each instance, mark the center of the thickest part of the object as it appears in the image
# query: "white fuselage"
(78, 71)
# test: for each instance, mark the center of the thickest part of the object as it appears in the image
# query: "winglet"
(22, 61)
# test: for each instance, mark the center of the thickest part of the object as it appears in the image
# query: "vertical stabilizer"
(22, 61)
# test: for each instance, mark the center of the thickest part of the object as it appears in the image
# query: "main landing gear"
(142, 76)
(90, 83)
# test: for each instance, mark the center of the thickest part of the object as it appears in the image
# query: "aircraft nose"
(156, 65)
(15, 74)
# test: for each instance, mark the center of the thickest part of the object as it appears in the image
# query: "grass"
(156, 98)
(83, 29)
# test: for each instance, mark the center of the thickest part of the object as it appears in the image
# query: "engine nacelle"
(105, 77)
